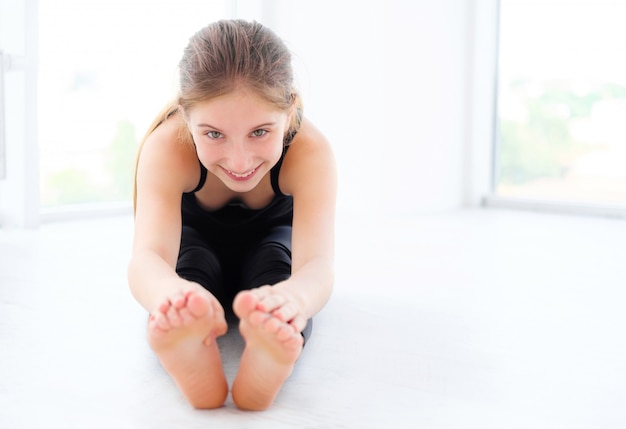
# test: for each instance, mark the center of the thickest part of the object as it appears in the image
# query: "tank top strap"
(203, 173)
(275, 172)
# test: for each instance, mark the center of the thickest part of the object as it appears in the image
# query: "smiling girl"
(234, 211)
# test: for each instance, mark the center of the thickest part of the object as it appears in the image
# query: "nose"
(240, 159)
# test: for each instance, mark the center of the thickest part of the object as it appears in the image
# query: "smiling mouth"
(242, 176)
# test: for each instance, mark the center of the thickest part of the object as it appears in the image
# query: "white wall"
(389, 83)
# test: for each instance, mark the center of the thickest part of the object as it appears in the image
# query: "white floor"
(471, 319)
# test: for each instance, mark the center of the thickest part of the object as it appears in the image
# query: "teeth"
(241, 176)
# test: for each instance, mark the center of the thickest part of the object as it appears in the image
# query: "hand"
(282, 304)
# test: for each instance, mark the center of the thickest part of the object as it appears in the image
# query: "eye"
(259, 133)
(214, 135)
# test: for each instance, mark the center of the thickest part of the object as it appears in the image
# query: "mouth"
(240, 176)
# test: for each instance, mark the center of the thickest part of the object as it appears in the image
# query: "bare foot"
(182, 333)
(272, 348)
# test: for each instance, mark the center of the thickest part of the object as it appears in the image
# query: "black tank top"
(235, 222)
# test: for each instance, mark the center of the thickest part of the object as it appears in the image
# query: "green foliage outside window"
(542, 145)
(76, 185)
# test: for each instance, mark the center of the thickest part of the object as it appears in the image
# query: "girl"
(234, 209)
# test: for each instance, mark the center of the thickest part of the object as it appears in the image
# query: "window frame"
(19, 186)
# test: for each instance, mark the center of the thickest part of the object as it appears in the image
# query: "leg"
(182, 331)
(199, 262)
(270, 263)
(272, 346)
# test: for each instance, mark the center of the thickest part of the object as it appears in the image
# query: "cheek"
(207, 155)
(277, 151)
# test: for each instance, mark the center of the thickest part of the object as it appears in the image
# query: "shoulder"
(169, 148)
(310, 156)
(309, 138)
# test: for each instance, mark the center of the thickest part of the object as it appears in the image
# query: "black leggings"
(226, 270)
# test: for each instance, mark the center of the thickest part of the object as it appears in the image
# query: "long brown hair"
(223, 56)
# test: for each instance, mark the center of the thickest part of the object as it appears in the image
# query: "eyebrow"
(267, 124)
(207, 126)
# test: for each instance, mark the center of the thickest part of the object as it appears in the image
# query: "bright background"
(389, 112)
(428, 107)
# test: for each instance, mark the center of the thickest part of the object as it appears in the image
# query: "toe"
(197, 305)
(244, 304)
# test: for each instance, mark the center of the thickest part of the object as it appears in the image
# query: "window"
(562, 101)
(106, 68)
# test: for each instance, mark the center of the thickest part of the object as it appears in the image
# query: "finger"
(165, 306)
(153, 320)
(186, 318)
(174, 317)
(271, 302)
(272, 325)
(161, 322)
(259, 318)
(285, 332)
(286, 312)
(299, 323)
(179, 300)
(261, 292)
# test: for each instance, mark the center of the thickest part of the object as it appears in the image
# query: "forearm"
(150, 278)
(311, 285)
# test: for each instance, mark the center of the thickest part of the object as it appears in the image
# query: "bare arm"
(163, 174)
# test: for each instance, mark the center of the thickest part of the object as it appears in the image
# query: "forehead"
(239, 106)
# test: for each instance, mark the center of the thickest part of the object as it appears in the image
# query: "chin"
(242, 186)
